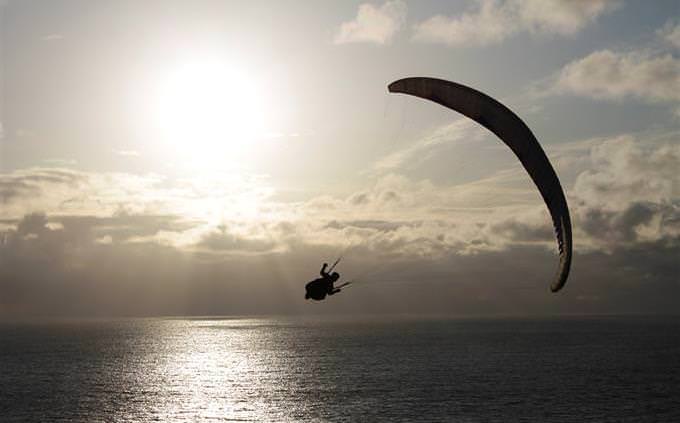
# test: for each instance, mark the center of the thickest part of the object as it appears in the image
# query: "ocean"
(387, 369)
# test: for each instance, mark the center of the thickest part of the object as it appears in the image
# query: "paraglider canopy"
(515, 134)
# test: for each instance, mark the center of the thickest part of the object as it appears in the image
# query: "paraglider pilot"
(320, 287)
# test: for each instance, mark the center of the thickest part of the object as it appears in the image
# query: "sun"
(209, 111)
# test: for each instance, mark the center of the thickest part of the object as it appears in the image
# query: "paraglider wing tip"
(564, 242)
(558, 284)
(398, 86)
(562, 272)
(406, 85)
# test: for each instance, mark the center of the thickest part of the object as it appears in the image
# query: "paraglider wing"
(515, 134)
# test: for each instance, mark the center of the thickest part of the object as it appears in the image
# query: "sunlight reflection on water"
(211, 369)
(268, 370)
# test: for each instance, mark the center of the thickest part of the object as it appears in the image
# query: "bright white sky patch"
(209, 112)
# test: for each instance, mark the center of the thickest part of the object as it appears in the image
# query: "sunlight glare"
(209, 112)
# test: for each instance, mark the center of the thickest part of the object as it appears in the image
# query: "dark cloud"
(623, 226)
(122, 226)
(64, 270)
(55, 176)
(34, 181)
(521, 231)
(32, 224)
(11, 189)
(360, 199)
(631, 194)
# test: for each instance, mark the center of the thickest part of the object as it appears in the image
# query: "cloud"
(489, 25)
(419, 245)
(623, 169)
(494, 21)
(630, 195)
(611, 75)
(29, 185)
(623, 190)
(401, 217)
(373, 24)
(68, 191)
(564, 17)
(62, 191)
(650, 74)
(407, 265)
(670, 33)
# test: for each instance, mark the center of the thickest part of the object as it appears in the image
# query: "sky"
(206, 157)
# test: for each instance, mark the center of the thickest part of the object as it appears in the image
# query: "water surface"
(605, 369)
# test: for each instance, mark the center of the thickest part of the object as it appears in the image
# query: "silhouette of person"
(320, 287)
